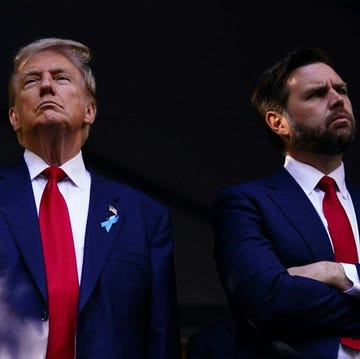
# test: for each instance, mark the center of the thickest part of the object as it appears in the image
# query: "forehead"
(317, 74)
(46, 60)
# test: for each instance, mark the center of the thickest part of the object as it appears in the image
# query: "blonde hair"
(76, 52)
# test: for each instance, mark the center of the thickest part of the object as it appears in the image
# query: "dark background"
(174, 80)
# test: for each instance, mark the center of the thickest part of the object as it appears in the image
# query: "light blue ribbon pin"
(109, 222)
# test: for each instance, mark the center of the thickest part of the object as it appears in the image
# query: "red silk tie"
(60, 266)
(341, 233)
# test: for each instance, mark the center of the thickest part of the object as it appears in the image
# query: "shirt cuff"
(352, 274)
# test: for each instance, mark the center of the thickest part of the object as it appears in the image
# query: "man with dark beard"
(291, 292)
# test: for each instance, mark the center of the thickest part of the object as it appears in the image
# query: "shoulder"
(257, 186)
(244, 188)
(18, 166)
(254, 193)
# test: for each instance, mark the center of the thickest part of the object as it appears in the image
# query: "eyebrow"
(35, 71)
(324, 87)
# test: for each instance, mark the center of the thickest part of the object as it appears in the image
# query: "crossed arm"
(261, 260)
(331, 273)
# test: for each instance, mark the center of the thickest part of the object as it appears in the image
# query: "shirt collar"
(308, 177)
(74, 168)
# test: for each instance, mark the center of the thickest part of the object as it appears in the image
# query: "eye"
(342, 91)
(316, 93)
(29, 81)
(62, 77)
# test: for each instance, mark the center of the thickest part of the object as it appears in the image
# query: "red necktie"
(341, 233)
(60, 266)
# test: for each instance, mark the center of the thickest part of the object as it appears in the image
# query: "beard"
(329, 141)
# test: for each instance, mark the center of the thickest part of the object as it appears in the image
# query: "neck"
(55, 149)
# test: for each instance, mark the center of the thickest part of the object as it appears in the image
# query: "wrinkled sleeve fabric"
(254, 245)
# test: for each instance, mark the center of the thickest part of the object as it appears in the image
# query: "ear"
(278, 123)
(90, 113)
(14, 119)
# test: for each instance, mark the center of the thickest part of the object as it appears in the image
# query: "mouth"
(46, 104)
(340, 119)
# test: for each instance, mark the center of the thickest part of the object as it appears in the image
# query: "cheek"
(26, 104)
(310, 115)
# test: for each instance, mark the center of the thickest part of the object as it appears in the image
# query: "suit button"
(44, 316)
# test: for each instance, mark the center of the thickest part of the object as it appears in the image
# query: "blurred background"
(174, 79)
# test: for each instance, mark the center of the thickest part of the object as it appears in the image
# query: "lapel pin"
(111, 220)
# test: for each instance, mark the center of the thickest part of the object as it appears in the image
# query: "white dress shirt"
(308, 177)
(76, 190)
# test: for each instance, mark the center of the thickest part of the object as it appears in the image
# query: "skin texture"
(52, 111)
(318, 104)
(319, 101)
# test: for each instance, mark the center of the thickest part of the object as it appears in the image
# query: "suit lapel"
(98, 241)
(18, 205)
(301, 213)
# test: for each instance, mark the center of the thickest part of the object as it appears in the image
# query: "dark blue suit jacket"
(127, 305)
(261, 228)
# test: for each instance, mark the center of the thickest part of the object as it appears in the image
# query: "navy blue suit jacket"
(127, 306)
(262, 228)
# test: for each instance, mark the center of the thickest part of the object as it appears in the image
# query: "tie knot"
(54, 172)
(327, 183)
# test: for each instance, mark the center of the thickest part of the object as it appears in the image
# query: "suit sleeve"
(164, 338)
(252, 243)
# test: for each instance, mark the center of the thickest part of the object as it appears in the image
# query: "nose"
(46, 85)
(336, 99)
